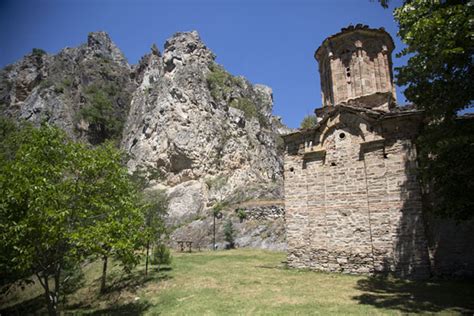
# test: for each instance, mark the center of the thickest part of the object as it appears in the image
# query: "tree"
(156, 208)
(439, 73)
(438, 79)
(61, 202)
(229, 233)
(117, 227)
(216, 213)
(105, 121)
(309, 121)
(161, 255)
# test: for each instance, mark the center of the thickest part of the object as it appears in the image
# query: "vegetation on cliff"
(229, 89)
(309, 121)
(105, 121)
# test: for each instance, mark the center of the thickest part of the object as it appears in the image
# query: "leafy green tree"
(309, 121)
(117, 209)
(61, 202)
(439, 73)
(438, 79)
(156, 208)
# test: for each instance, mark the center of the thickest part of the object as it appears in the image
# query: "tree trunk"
(57, 285)
(48, 295)
(214, 234)
(104, 274)
(147, 254)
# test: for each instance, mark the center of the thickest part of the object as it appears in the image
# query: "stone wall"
(262, 212)
(262, 227)
(352, 199)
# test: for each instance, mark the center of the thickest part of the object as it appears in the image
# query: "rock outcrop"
(196, 131)
(209, 136)
(85, 90)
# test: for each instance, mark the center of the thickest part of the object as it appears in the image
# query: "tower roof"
(359, 28)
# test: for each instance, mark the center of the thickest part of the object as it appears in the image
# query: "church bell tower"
(355, 66)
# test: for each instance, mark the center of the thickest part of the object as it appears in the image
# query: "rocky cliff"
(193, 129)
(85, 90)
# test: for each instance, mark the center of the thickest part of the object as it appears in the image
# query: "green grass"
(256, 282)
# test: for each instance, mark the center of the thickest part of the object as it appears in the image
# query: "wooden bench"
(182, 244)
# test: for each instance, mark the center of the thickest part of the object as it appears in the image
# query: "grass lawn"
(249, 282)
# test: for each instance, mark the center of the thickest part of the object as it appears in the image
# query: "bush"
(309, 121)
(229, 234)
(219, 82)
(241, 214)
(105, 122)
(217, 182)
(245, 105)
(67, 82)
(161, 255)
(38, 52)
(280, 143)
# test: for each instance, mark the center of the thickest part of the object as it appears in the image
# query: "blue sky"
(267, 41)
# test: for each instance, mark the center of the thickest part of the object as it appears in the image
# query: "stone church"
(352, 198)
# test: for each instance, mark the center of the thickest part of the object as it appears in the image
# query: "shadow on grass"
(133, 281)
(135, 308)
(416, 296)
(273, 267)
(119, 284)
(29, 307)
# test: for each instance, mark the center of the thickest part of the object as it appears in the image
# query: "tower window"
(348, 75)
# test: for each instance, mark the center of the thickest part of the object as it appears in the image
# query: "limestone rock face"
(57, 88)
(196, 131)
(186, 202)
(202, 147)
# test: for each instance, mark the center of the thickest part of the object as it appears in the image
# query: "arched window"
(348, 74)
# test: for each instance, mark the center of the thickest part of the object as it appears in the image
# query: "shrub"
(241, 214)
(46, 84)
(217, 182)
(309, 121)
(229, 234)
(219, 82)
(245, 105)
(161, 255)
(104, 121)
(280, 143)
(67, 82)
(38, 52)
(58, 89)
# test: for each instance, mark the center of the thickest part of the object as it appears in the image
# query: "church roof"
(373, 114)
(357, 28)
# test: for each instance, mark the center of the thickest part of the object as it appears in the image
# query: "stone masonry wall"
(262, 212)
(354, 205)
